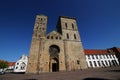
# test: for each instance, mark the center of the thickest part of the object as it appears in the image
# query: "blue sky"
(98, 22)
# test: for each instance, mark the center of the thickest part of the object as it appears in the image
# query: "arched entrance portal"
(55, 65)
(54, 58)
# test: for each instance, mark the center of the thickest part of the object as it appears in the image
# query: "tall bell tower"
(73, 50)
(39, 34)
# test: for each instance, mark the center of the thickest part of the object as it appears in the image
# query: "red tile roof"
(11, 63)
(1, 60)
(94, 51)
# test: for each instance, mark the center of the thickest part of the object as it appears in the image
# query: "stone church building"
(60, 50)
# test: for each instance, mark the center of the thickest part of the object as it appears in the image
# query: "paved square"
(112, 73)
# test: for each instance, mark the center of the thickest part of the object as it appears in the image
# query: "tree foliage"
(3, 64)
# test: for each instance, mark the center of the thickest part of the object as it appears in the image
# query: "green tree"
(3, 64)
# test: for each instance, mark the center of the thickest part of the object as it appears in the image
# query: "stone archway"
(54, 51)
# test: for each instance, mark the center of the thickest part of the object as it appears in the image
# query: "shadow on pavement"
(114, 70)
(95, 79)
(30, 79)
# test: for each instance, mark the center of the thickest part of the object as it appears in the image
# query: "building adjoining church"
(59, 50)
(102, 58)
(21, 65)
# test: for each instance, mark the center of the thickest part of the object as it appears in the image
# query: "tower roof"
(40, 15)
(67, 17)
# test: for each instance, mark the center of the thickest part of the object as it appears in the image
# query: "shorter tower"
(40, 27)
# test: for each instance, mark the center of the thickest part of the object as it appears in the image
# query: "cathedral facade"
(60, 50)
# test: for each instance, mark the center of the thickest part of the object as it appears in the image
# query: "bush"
(3, 64)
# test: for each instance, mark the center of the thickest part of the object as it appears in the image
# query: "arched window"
(43, 28)
(66, 25)
(54, 50)
(78, 62)
(60, 38)
(56, 37)
(74, 36)
(67, 36)
(47, 37)
(39, 36)
(72, 26)
(51, 37)
(41, 19)
(17, 63)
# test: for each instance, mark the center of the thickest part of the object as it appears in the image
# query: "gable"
(54, 35)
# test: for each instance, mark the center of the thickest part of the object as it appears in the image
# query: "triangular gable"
(54, 33)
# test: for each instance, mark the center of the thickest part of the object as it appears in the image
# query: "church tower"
(40, 26)
(39, 34)
(74, 55)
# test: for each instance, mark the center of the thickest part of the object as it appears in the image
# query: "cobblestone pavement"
(112, 73)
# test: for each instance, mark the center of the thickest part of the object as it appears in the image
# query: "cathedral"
(59, 50)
